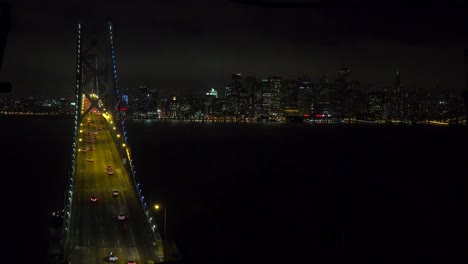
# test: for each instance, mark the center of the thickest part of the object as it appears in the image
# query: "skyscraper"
(250, 88)
(398, 86)
(341, 89)
(236, 89)
(276, 88)
(375, 104)
(305, 96)
(147, 100)
(267, 98)
(321, 99)
(236, 85)
(397, 103)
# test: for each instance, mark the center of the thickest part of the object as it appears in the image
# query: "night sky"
(198, 44)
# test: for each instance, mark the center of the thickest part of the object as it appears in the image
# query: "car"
(121, 216)
(90, 159)
(95, 133)
(83, 150)
(115, 192)
(90, 148)
(131, 261)
(93, 199)
(99, 129)
(111, 172)
(112, 257)
(90, 141)
(109, 167)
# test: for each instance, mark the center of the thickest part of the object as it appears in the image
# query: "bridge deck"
(95, 229)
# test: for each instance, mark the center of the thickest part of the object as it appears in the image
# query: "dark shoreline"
(26, 117)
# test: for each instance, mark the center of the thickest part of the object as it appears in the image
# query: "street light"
(157, 207)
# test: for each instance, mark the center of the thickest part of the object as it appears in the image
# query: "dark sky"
(198, 44)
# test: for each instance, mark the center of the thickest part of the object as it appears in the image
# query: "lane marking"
(134, 244)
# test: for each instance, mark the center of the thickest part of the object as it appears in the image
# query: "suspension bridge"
(106, 217)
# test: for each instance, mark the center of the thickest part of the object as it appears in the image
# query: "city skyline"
(178, 45)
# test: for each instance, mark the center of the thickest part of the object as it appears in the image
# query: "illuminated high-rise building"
(321, 99)
(267, 98)
(212, 103)
(340, 93)
(276, 87)
(147, 99)
(142, 98)
(375, 104)
(236, 85)
(305, 103)
(212, 92)
(397, 100)
(249, 98)
(227, 91)
(232, 102)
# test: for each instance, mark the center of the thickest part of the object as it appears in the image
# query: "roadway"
(95, 229)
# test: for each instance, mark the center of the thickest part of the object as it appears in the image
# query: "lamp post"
(122, 151)
(158, 207)
(119, 143)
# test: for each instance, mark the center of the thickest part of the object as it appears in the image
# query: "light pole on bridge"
(158, 207)
(121, 146)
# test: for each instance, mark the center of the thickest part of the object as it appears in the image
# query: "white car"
(115, 192)
(83, 150)
(112, 257)
(90, 159)
(121, 216)
(111, 172)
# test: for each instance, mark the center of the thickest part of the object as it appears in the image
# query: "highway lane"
(95, 229)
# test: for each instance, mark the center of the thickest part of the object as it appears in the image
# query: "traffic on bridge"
(107, 222)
